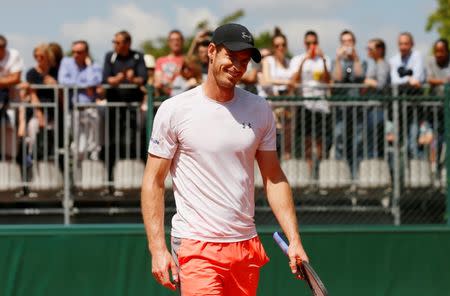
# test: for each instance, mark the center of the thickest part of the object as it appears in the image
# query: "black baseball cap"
(236, 37)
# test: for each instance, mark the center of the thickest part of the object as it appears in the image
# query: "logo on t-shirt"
(154, 141)
(246, 125)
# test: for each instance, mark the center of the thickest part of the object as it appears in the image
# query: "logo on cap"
(246, 37)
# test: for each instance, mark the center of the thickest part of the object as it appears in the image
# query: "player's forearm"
(280, 200)
(152, 205)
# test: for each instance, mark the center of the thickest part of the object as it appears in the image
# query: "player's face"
(228, 66)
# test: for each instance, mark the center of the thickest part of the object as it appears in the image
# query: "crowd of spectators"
(305, 74)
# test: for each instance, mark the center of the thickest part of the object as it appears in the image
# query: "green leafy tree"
(263, 40)
(440, 19)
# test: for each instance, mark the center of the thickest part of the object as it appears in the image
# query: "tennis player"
(208, 138)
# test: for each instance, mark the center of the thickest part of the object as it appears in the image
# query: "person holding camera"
(347, 67)
(408, 75)
(407, 66)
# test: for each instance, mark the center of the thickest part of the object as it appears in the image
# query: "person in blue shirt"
(81, 73)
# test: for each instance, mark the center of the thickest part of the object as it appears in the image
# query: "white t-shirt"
(212, 146)
(277, 72)
(11, 63)
(312, 72)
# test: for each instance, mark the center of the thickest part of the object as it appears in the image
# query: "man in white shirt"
(407, 66)
(311, 69)
(11, 66)
(209, 138)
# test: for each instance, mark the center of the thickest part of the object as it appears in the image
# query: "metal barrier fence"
(352, 155)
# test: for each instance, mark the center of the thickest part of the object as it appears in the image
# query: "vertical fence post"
(447, 149)
(150, 99)
(65, 117)
(396, 184)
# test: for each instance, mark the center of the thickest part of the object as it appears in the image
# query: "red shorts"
(208, 268)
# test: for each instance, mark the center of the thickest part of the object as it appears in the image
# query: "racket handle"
(280, 241)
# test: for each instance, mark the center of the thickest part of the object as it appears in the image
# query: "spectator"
(438, 68)
(265, 52)
(124, 66)
(378, 76)
(408, 75)
(43, 118)
(275, 68)
(275, 81)
(311, 70)
(11, 66)
(438, 74)
(168, 67)
(378, 80)
(150, 65)
(407, 67)
(80, 71)
(199, 48)
(190, 76)
(58, 55)
(347, 67)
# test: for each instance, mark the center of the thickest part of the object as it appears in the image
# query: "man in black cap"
(209, 138)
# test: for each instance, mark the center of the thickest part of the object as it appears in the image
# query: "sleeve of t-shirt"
(64, 75)
(107, 69)
(371, 70)
(158, 64)
(418, 67)
(268, 141)
(33, 77)
(430, 68)
(382, 75)
(163, 140)
(141, 70)
(94, 76)
(17, 64)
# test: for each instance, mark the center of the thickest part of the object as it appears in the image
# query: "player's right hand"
(161, 264)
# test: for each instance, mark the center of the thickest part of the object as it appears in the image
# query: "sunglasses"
(279, 45)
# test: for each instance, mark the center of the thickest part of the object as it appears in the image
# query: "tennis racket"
(305, 269)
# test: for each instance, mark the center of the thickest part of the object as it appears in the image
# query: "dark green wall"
(113, 260)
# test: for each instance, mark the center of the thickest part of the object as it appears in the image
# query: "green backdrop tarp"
(113, 260)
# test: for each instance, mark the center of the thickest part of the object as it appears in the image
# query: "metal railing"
(353, 153)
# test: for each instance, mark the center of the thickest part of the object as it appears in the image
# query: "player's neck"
(214, 91)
